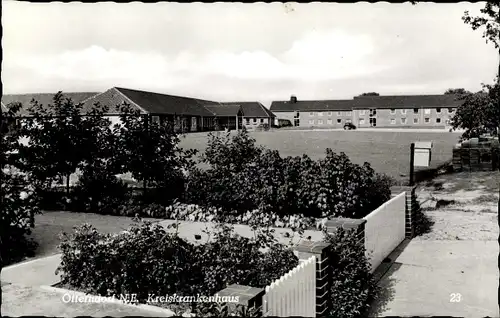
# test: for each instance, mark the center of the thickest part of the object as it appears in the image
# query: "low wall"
(385, 229)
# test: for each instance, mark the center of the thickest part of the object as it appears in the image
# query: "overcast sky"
(231, 51)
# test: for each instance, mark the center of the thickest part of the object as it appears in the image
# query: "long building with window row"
(405, 111)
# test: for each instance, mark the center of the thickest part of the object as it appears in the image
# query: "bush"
(98, 191)
(261, 180)
(148, 260)
(353, 287)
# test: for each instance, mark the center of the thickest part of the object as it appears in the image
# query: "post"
(236, 123)
(412, 162)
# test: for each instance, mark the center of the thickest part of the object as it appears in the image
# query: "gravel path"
(458, 225)
(472, 212)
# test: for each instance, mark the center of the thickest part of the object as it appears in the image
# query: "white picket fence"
(294, 294)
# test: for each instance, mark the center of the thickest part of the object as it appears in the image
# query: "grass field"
(387, 152)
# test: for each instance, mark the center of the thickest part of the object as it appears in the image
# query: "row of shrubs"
(242, 177)
(147, 259)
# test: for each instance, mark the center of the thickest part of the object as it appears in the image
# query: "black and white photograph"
(258, 159)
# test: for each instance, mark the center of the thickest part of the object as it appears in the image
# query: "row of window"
(373, 112)
(328, 114)
(404, 121)
(329, 121)
(254, 120)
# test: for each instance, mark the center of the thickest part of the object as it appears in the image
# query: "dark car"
(349, 126)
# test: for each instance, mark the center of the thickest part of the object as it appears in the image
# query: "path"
(453, 270)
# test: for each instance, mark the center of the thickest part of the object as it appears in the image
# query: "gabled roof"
(225, 110)
(407, 101)
(156, 103)
(252, 109)
(365, 102)
(312, 105)
(45, 99)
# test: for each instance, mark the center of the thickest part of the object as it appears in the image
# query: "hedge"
(243, 177)
(146, 259)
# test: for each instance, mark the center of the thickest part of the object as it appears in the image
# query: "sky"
(244, 52)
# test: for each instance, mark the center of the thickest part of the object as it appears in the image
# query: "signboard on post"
(420, 156)
(423, 150)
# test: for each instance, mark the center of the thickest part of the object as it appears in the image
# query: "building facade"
(410, 111)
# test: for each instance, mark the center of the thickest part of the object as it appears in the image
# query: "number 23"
(455, 298)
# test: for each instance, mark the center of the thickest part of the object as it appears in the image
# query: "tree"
(477, 114)
(456, 91)
(489, 21)
(150, 151)
(370, 94)
(55, 141)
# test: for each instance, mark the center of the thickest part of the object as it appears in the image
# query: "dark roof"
(360, 102)
(225, 110)
(45, 99)
(407, 101)
(156, 103)
(312, 105)
(252, 109)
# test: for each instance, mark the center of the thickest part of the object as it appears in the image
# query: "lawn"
(387, 152)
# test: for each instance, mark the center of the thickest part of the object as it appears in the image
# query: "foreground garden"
(243, 184)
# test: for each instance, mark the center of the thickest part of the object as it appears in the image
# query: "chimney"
(293, 99)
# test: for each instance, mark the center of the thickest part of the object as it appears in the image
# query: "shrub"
(262, 180)
(353, 287)
(148, 260)
(99, 192)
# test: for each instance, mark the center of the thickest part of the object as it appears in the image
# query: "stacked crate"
(457, 158)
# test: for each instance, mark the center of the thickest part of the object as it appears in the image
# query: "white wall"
(385, 229)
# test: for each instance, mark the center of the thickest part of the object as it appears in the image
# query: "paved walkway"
(442, 278)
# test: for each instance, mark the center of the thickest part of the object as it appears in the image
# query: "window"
(362, 112)
(415, 110)
(427, 120)
(311, 122)
(254, 120)
(438, 110)
(247, 120)
(311, 114)
(155, 119)
(393, 121)
(427, 111)
(262, 120)
(403, 111)
(320, 121)
(348, 121)
(415, 120)
(451, 110)
(393, 111)
(438, 120)
(320, 114)
(403, 120)
(349, 113)
(361, 121)
(339, 113)
(339, 121)
(329, 113)
(329, 121)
